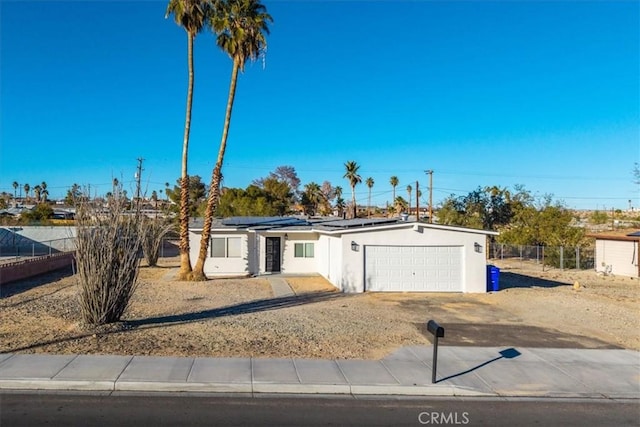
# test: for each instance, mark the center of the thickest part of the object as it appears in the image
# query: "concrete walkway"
(462, 371)
(280, 287)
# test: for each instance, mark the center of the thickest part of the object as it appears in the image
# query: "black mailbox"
(438, 332)
(435, 329)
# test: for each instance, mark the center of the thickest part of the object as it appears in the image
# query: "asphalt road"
(49, 409)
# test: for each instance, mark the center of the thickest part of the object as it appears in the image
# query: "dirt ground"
(240, 317)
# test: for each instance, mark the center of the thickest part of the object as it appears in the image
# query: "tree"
(400, 204)
(44, 192)
(394, 183)
(369, 181)
(42, 212)
(409, 190)
(154, 231)
(73, 195)
(26, 187)
(195, 196)
(286, 174)
(107, 260)
(339, 200)
(15, 188)
(311, 198)
(281, 186)
(36, 192)
(328, 193)
(253, 201)
(351, 174)
(190, 15)
(241, 27)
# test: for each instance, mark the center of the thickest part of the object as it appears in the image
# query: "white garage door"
(413, 268)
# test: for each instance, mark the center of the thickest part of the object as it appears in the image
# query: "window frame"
(304, 250)
(227, 241)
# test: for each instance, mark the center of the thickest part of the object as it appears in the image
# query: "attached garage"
(413, 268)
(408, 257)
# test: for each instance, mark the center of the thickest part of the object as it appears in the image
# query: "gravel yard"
(240, 317)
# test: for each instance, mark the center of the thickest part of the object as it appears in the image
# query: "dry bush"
(108, 244)
(154, 231)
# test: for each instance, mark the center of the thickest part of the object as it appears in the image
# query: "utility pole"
(417, 202)
(430, 173)
(138, 178)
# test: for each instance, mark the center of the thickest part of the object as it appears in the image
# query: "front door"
(273, 255)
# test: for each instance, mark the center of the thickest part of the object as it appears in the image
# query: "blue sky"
(543, 94)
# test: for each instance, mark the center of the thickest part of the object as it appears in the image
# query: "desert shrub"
(154, 230)
(107, 247)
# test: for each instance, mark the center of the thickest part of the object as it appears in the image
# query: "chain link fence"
(579, 258)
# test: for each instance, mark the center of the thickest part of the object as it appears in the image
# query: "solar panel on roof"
(359, 222)
(635, 234)
(248, 221)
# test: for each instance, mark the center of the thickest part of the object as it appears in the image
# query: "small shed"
(618, 254)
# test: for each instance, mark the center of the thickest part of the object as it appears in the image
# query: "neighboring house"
(618, 255)
(355, 255)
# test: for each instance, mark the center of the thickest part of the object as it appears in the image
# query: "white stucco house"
(618, 255)
(354, 255)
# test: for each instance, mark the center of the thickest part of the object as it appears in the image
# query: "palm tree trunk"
(369, 205)
(185, 261)
(353, 200)
(216, 177)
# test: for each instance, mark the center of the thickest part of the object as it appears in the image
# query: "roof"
(630, 237)
(320, 225)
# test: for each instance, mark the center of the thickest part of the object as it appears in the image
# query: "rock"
(576, 285)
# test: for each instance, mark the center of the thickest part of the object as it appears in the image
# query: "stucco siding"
(473, 263)
(304, 263)
(617, 257)
(222, 266)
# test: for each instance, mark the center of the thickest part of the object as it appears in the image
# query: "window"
(225, 247)
(303, 250)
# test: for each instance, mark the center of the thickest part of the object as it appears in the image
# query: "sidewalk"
(462, 371)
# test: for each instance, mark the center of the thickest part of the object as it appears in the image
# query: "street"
(77, 409)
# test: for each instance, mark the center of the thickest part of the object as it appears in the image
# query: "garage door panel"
(413, 268)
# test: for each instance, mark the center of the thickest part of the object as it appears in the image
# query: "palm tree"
(15, 188)
(190, 15)
(339, 200)
(400, 204)
(409, 189)
(314, 196)
(44, 193)
(369, 183)
(394, 183)
(37, 190)
(351, 173)
(340, 206)
(27, 187)
(241, 27)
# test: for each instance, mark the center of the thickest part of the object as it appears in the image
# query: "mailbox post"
(438, 332)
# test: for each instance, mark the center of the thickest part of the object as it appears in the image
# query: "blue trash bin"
(493, 278)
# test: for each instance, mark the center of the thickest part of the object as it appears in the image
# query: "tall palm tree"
(241, 27)
(351, 173)
(190, 15)
(27, 187)
(369, 183)
(409, 190)
(394, 183)
(15, 189)
(339, 200)
(44, 192)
